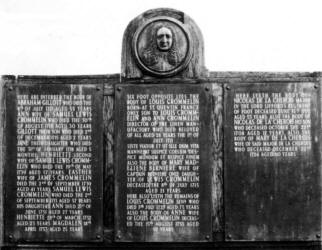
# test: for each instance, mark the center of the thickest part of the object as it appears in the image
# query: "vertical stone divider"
(217, 165)
(319, 85)
(3, 82)
(108, 159)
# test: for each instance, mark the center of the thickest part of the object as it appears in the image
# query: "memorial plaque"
(163, 173)
(272, 161)
(53, 169)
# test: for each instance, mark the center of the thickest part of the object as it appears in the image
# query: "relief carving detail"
(162, 47)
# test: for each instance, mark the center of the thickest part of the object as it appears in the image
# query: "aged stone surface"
(272, 161)
(53, 171)
(217, 164)
(218, 79)
(3, 82)
(109, 152)
(163, 175)
(162, 43)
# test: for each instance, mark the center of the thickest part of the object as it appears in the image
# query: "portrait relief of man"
(161, 52)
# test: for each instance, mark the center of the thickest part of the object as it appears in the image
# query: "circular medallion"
(162, 46)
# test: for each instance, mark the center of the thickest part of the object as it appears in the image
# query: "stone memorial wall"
(165, 154)
(167, 183)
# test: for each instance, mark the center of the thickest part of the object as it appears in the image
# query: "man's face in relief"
(164, 39)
